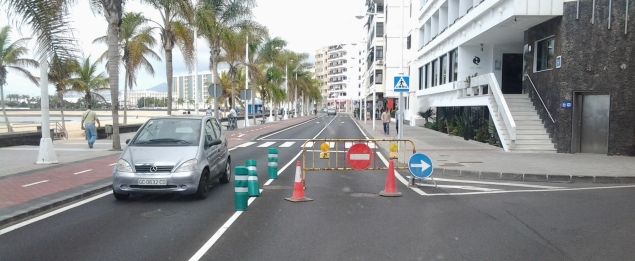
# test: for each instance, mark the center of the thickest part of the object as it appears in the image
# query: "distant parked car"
(173, 154)
(331, 111)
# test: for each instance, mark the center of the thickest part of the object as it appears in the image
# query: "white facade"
(462, 51)
(338, 67)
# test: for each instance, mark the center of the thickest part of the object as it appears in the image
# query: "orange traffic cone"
(390, 189)
(298, 186)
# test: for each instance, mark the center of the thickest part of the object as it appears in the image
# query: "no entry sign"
(359, 156)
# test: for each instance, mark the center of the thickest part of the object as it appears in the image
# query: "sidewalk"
(82, 172)
(454, 156)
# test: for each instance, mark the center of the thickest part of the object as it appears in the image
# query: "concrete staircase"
(531, 135)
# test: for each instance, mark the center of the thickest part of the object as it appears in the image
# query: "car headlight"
(189, 165)
(123, 166)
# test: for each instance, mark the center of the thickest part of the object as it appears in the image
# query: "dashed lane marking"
(287, 144)
(246, 144)
(83, 171)
(309, 144)
(266, 144)
(34, 183)
(112, 164)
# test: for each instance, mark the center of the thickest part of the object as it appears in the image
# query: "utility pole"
(46, 153)
(247, 82)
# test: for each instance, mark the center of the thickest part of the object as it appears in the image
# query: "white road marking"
(35, 183)
(348, 145)
(52, 213)
(208, 245)
(341, 122)
(56, 149)
(330, 151)
(497, 183)
(360, 157)
(529, 190)
(112, 164)
(331, 145)
(287, 144)
(246, 144)
(458, 187)
(83, 171)
(401, 178)
(266, 144)
(241, 135)
(288, 128)
(309, 144)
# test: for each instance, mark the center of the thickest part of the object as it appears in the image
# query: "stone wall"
(594, 59)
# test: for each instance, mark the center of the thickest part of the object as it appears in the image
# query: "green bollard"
(240, 188)
(272, 165)
(252, 181)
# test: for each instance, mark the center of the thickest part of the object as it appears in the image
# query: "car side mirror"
(212, 143)
(127, 141)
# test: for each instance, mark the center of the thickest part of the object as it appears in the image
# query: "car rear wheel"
(203, 185)
(120, 196)
(225, 177)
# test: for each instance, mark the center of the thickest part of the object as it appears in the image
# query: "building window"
(408, 42)
(379, 30)
(426, 80)
(379, 76)
(421, 79)
(379, 52)
(454, 65)
(443, 68)
(435, 73)
(545, 54)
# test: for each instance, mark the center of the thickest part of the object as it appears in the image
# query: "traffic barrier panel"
(298, 186)
(240, 188)
(252, 179)
(272, 164)
(390, 187)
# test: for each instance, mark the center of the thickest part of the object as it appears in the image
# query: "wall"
(466, 57)
(594, 58)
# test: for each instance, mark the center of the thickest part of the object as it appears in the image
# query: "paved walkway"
(41, 187)
(453, 154)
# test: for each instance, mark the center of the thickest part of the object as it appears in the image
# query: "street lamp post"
(401, 99)
(295, 99)
(286, 90)
(46, 153)
(247, 82)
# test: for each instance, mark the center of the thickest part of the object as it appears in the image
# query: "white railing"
(503, 108)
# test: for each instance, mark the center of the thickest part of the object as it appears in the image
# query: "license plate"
(152, 181)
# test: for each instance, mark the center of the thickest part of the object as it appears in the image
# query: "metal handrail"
(543, 103)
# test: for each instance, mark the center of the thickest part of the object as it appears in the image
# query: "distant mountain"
(162, 87)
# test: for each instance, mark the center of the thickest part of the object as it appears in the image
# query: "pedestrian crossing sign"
(402, 84)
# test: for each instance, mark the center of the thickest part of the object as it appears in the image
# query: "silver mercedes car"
(173, 154)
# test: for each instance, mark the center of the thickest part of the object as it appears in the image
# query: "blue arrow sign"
(420, 165)
(402, 84)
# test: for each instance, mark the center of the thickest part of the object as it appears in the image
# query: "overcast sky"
(306, 25)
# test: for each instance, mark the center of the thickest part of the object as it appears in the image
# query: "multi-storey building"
(338, 67)
(373, 64)
(553, 75)
(183, 87)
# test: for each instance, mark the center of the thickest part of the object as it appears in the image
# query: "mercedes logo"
(153, 169)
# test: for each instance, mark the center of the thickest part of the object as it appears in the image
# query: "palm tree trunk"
(168, 72)
(61, 98)
(113, 10)
(125, 99)
(4, 110)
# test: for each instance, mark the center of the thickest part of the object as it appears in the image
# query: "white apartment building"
(338, 67)
(183, 87)
(320, 73)
(470, 53)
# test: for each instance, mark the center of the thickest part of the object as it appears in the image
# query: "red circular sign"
(359, 156)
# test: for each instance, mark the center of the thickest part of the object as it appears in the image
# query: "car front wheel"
(203, 185)
(227, 173)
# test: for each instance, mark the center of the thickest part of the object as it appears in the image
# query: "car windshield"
(169, 132)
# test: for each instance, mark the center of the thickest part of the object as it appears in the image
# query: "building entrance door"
(591, 129)
(512, 73)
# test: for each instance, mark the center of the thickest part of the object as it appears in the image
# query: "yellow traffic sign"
(394, 151)
(324, 148)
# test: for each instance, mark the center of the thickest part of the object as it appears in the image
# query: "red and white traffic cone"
(298, 186)
(390, 188)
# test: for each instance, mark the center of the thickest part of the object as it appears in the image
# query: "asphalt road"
(457, 220)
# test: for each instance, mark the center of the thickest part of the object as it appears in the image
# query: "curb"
(522, 176)
(37, 209)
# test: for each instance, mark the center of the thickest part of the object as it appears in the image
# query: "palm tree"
(60, 73)
(136, 43)
(175, 17)
(11, 58)
(112, 11)
(87, 81)
(215, 18)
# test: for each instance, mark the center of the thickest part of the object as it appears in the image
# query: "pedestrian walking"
(89, 118)
(397, 121)
(385, 119)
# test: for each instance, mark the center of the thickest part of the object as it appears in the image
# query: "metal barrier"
(399, 149)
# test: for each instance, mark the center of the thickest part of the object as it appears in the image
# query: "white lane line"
(208, 245)
(497, 183)
(401, 178)
(266, 144)
(360, 128)
(285, 129)
(332, 145)
(529, 190)
(287, 144)
(284, 139)
(112, 164)
(309, 144)
(330, 151)
(341, 122)
(241, 135)
(35, 183)
(246, 144)
(83, 171)
(458, 187)
(52, 213)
